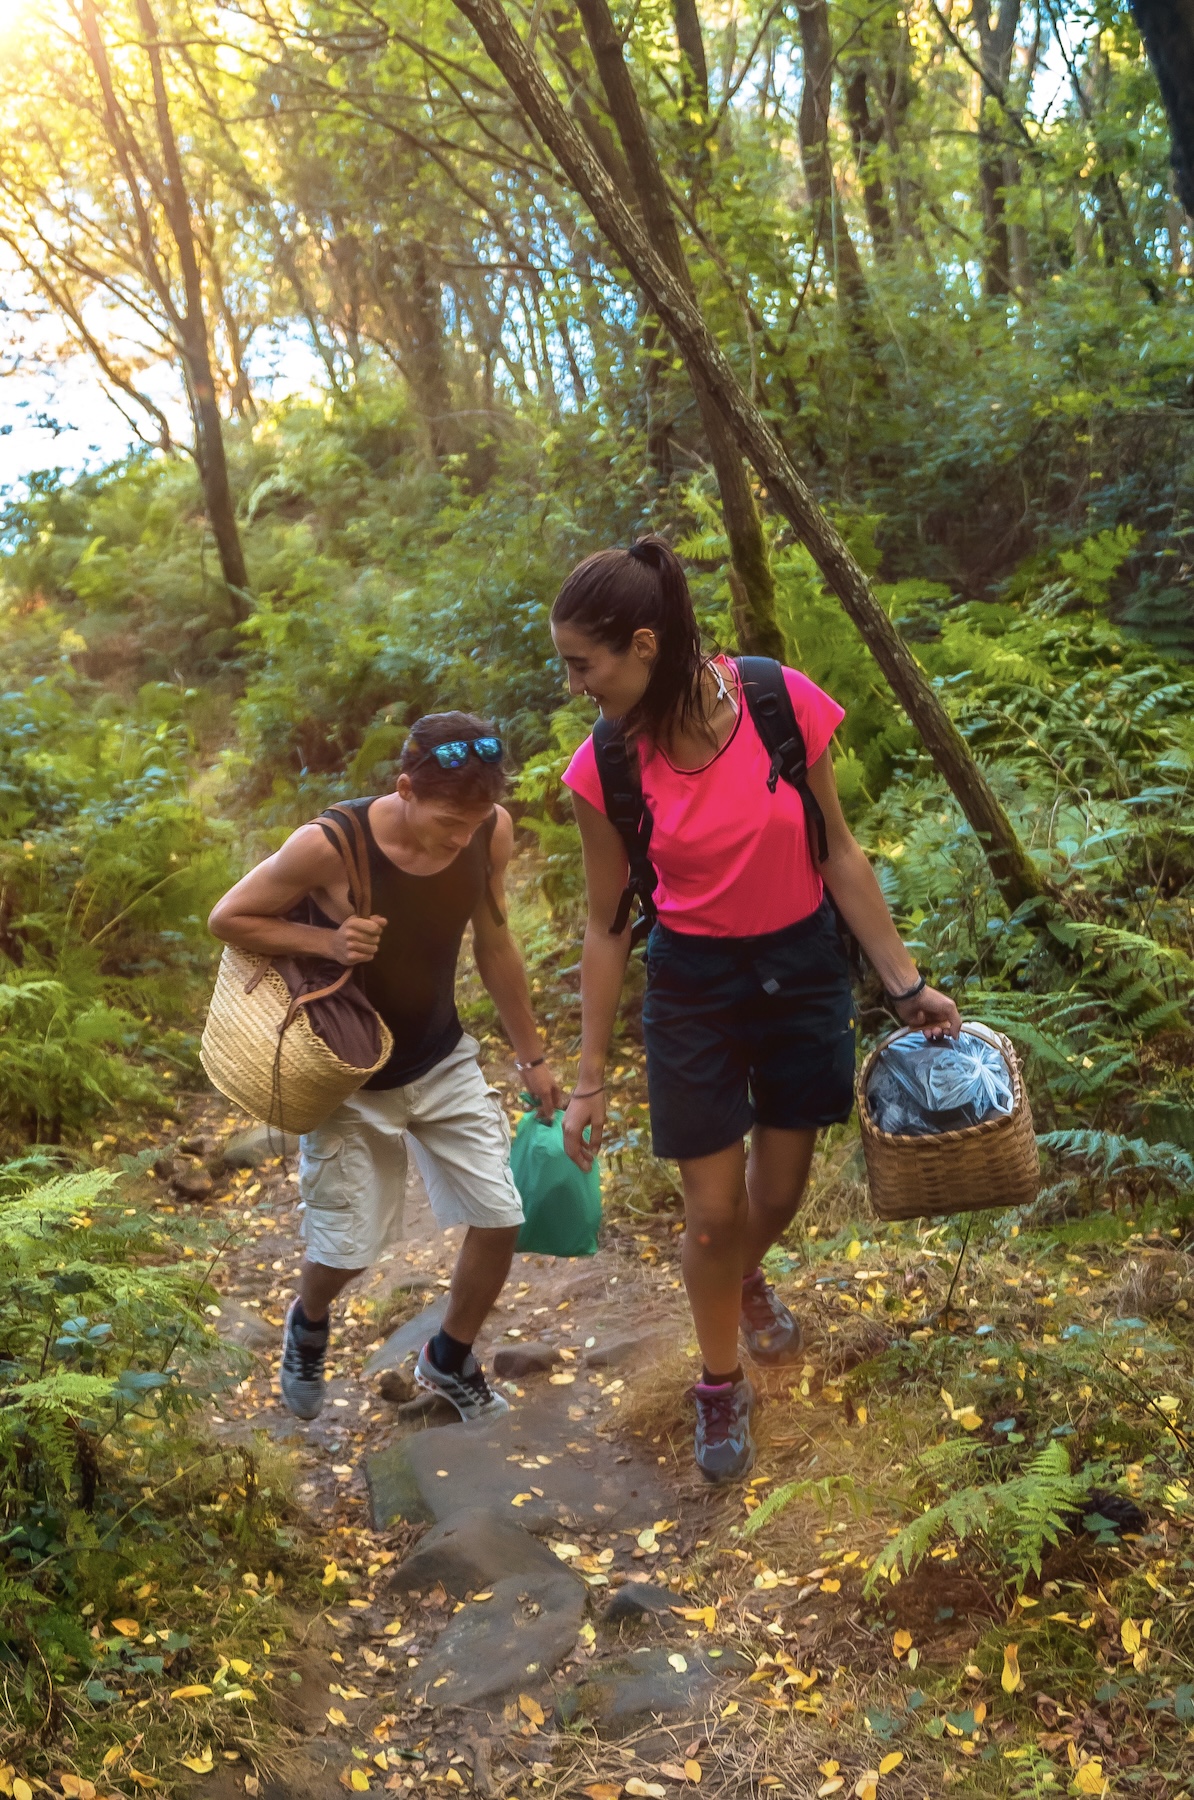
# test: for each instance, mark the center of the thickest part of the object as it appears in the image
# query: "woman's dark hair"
(614, 593)
(476, 783)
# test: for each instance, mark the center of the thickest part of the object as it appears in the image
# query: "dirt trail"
(413, 1674)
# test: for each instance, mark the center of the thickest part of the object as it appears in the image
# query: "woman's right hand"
(357, 939)
(589, 1112)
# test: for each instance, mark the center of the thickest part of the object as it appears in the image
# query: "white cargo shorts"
(352, 1169)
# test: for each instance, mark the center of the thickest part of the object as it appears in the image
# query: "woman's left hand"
(932, 1012)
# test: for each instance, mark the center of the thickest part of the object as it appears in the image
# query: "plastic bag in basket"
(918, 1088)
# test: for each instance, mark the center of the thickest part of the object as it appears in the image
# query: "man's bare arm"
(251, 915)
(501, 968)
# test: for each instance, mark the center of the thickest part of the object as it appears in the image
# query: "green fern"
(825, 1491)
(1014, 1520)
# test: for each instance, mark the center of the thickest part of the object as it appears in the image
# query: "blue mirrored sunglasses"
(455, 754)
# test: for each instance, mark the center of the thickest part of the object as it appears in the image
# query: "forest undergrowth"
(980, 1492)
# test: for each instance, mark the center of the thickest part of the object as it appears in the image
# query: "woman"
(748, 1017)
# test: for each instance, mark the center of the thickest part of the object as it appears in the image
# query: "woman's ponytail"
(613, 594)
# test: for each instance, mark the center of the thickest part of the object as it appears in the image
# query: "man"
(438, 849)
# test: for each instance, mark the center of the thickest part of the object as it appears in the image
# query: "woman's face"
(615, 679)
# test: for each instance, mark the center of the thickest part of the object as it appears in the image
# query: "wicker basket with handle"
(259, 1047)
(978, 1166)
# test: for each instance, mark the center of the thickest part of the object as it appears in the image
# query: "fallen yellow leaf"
(729, 1709)
(832, 1786)
(202, 1764)
(240, 1666)
(1011, 1678)
(521, 1499)
(358, 1781)
(647, 1790)
(21, 1789)
(76, 1788)
(1129, 1636)
(692, 1768)
(1090, 1779)
(831, 1587)
(196, 1689)
(113, 1755)
(867, 1786)
(603, 1790)
(673, 1771)
(901, 1643)
(531, 1709)
(335, 1716)
(126, 1627)
(891, 1761)
(678, 1662)
(829, 1768)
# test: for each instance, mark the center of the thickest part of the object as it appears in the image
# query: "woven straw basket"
(281, 1073)
(992, 1164)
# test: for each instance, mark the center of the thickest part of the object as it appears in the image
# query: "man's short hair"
(476, 783)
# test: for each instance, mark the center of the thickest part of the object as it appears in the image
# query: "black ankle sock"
(708, 1380)
(300, 1318)
(447, 1353)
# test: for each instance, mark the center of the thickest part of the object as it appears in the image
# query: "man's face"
(441, 826)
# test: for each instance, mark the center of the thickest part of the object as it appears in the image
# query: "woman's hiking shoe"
(468, 1392)
(770, 1332)
(304, 1352)
(725, 1449)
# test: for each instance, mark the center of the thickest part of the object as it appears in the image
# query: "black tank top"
(412, 979)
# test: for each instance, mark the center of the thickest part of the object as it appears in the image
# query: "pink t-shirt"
(732, 859)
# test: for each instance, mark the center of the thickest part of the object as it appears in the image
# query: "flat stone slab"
(258, 1144)
(516, 1361)
(632, 1691)
(501, 1645)
(634, 1598)
(239, 1324)
(627, 1352)
(473, 1550)
(449, 1469)
(409, 1339)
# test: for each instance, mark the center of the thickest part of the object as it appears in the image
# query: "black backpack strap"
(770, 706)
(629, 813)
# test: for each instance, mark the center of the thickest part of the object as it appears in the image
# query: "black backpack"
(770, 706)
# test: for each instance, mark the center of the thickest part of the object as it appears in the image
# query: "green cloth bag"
(561, 1202)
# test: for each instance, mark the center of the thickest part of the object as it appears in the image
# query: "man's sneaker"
(725, 1449)
(304, 1352)
(468, 1392)
(770, 1332)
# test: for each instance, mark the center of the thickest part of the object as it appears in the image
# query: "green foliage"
(108, 868)
(1014, 1520)
(101, 1339)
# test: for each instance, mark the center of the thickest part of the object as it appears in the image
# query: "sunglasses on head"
(455, 753)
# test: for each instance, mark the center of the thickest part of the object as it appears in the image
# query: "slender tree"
(1018, 879)
(752, 584)
(1167, 28)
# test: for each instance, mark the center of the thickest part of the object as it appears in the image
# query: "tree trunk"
(1167, 28)
(189, 322)
(759, 630)
(866, 133)
(1017, 878)
(694, 85)
(997, 40)
(816, 45)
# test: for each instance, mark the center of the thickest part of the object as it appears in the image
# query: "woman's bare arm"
(848, 875)
(252, 914)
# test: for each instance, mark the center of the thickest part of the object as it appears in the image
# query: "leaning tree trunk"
(1017, 878)
(1167, 28)
(752, 585)
(997, 40)
(209, 428)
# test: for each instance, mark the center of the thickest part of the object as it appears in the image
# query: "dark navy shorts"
(747, 1030)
